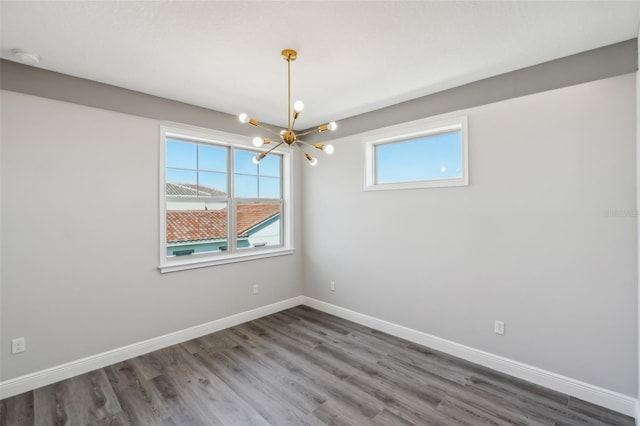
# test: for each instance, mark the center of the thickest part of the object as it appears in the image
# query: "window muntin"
(217, 205)
(420, 154)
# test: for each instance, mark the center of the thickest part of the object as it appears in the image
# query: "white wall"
(80, 229)
(531, 241)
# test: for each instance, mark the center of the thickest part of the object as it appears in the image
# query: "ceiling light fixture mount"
(288, 136)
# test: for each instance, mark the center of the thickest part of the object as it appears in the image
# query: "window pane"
(270, 165)
(181, 182)
(212, 184)
(268, 187)
(185, 164)
(181, 155)
(262, 180)
(212, 158)
(258, 224)
(243, 163)
(246, 186)
(428, 158)
(196, 227)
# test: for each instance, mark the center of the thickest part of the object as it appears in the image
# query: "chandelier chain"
(289, 92)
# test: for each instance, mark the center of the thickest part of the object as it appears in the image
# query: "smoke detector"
(26, 57)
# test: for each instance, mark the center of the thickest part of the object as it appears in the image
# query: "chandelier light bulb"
(313, 161)
(255, 160)
(244, 118)
(298, 106)
(332, 126)
(328, 148)
(258, 141)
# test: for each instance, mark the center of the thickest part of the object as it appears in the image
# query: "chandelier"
(288, 136)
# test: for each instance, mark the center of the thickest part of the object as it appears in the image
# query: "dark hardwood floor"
(299, 367)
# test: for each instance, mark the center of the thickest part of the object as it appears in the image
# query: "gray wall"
(638, 219)
(543, 238)
(80, 229)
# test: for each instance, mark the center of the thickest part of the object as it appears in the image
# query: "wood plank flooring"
(299, 367)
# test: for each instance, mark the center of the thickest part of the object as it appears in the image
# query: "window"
(217, 206)
(421, 154)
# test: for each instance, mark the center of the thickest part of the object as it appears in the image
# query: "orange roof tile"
(202, 225)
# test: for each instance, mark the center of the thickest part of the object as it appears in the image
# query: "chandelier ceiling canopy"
(288, 136)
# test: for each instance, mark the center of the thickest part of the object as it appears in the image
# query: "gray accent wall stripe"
(608, 61)
(21, 78)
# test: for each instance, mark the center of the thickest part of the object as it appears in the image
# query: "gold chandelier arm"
(295, 116)
(313, 145)
(309, 158)
(297, 146)
(308, 132)
(266, 153)
(306, 143)
(268, 129)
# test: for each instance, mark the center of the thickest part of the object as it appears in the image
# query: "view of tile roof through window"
(251, 215)
(203, 225)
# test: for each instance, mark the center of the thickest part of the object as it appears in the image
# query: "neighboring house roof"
(254, 214)
(202, 225)
(191, 189)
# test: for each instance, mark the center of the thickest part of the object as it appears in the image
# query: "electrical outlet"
(332, 285)
(256, 288)
(498, 327)
(18, 345)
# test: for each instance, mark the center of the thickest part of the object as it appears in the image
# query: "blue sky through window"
(181, 155)
(212, 158)
(206, 165)
(261, 180)
(430, 157)
(196, 164)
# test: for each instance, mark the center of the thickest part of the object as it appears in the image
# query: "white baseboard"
(605, 398)
(55, 374)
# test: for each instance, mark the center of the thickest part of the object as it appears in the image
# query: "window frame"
(411, 131)
(232, 254)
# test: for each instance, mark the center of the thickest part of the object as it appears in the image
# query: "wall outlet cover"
(18, 345)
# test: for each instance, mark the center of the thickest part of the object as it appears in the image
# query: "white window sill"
(435, 183)
(221, 259)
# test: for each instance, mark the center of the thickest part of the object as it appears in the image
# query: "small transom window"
(420, 154)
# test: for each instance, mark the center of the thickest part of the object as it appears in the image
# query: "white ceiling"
(353, 56)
